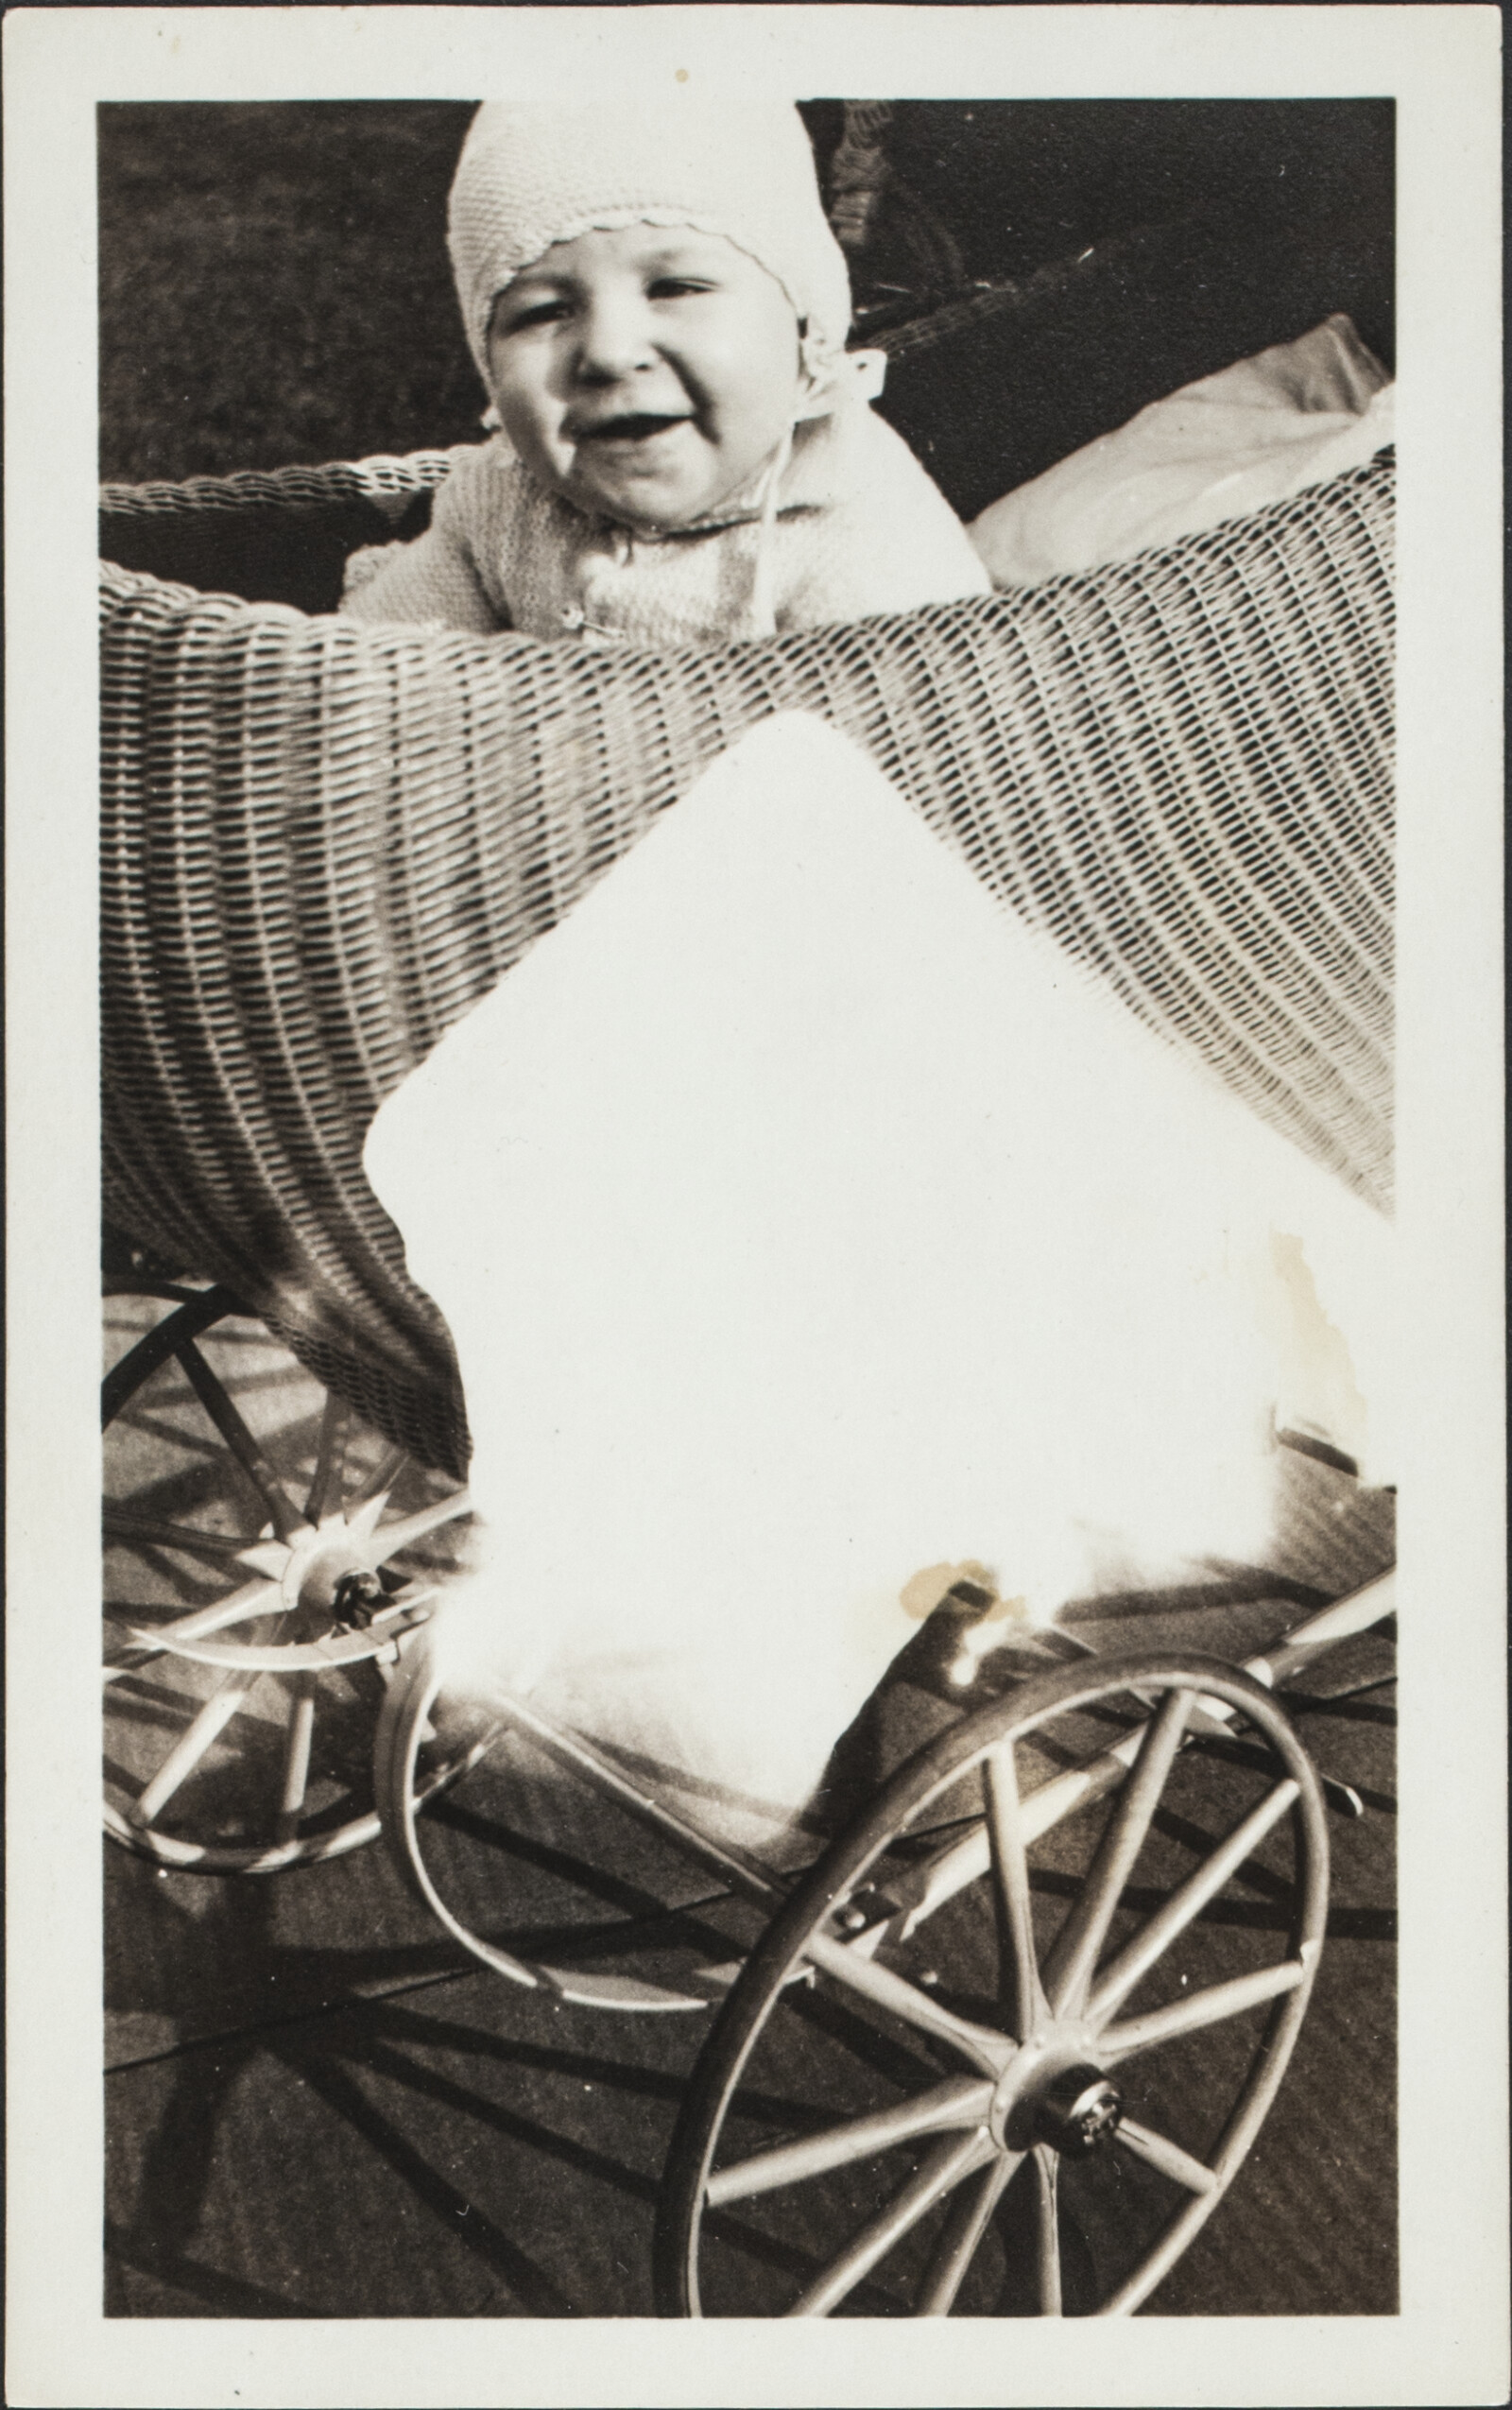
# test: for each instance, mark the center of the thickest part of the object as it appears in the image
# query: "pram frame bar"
(417, 1689)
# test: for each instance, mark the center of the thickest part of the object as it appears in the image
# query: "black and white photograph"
(763, 758)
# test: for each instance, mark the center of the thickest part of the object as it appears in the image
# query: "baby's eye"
(671, 288)
(525, 314)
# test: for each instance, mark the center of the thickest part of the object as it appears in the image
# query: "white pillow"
(1267, 427)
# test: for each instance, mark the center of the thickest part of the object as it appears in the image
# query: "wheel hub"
(1050, 2092)
(1079, 2109)
(330, 1571)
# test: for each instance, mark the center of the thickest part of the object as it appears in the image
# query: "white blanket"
(803, 1222)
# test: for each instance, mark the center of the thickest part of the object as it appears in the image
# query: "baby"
(659, 310)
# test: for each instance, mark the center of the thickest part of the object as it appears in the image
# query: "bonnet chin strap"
(849, 375)
(763, 598)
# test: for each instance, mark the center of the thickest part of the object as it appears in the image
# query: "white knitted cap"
(534, 174)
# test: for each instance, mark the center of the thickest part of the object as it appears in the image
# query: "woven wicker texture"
(323, 842)
(386, 479)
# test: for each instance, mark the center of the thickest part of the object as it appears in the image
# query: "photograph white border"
(1442, 64)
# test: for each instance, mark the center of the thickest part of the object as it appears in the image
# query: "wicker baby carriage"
(322, 843)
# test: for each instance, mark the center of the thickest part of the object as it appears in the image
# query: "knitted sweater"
(860, 529)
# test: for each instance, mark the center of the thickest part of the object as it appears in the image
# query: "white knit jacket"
(860, 529)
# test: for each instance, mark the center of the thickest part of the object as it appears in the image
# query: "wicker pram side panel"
(236, 1031)
(323, 842)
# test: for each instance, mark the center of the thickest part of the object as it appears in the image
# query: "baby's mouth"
(630, 426)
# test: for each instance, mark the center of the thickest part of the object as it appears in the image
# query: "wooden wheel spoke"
(989, 2051)
(254, 1598)
(285, 1515)
(1047, 2229)
(224, 1702)
(943, 2168)
(296, 1758)
(402, 1534)
(1209, 2008)
(196, 1313)
(147, 1531)
(962, 2101)
(1019, 1986)
(1187, 1900)
(372, 1492)
(1168, 2157)
(329, 1458)
(1070, 1965)
(966, 2222)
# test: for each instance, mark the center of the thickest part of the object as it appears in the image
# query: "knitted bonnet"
(534, 174)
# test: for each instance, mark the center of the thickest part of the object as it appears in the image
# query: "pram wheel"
(264, 1561)
(997, 2056)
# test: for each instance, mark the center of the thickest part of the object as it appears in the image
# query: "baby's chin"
(651, 497)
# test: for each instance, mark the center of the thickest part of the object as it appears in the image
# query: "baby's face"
(645, 373)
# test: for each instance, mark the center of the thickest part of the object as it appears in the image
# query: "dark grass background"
(274, 283)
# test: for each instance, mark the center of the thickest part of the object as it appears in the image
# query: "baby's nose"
(615, 338)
